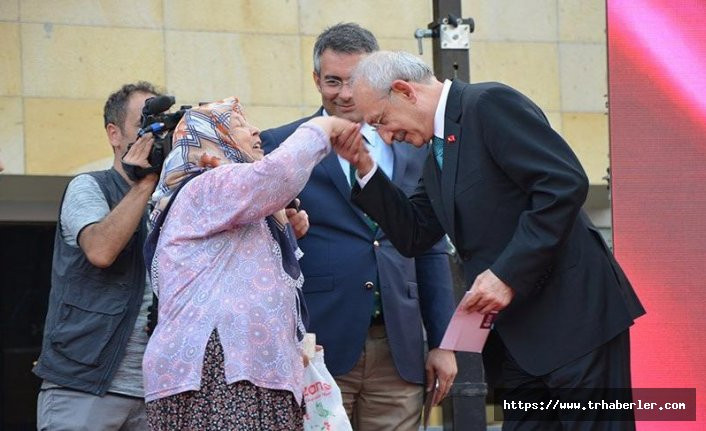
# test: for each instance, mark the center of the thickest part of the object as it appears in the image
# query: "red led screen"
(657, 106)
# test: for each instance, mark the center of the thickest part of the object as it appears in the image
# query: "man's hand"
(441, 366)
(488, 294)
(347, 141)
(139, 152)
(137, 155)
(299, 221)
(355, 152)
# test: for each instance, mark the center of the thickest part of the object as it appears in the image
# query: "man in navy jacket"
(367, 302)
(508, 191)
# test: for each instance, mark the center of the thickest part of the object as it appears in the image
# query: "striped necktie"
(437, 146)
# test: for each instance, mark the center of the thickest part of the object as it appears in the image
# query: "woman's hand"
(338, 128)
(299, 220)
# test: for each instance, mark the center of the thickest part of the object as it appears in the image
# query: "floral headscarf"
(203, 132)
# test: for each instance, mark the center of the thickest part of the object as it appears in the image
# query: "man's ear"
(404, 89)
(114, 135)
(317, 80)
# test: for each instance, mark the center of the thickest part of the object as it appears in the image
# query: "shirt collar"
(441, 110)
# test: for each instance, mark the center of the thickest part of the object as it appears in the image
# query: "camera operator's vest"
(92, 311)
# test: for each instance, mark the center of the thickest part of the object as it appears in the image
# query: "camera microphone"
(157, 104)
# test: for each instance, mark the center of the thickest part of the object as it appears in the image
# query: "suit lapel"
(448, 173)
(452, 142)
(333, 169)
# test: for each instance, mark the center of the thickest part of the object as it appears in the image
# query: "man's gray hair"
(344, 38)
(381, 68)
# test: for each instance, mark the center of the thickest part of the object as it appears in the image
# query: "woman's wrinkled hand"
(299, 221)
(339, 129)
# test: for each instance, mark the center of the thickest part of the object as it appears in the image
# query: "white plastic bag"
(324, 406)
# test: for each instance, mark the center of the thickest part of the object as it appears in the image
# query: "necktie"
(437, 146)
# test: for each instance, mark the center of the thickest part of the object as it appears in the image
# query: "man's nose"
(346, 91)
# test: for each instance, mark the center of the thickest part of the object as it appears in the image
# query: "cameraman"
(94, 335)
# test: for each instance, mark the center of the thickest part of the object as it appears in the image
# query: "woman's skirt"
(240, 406)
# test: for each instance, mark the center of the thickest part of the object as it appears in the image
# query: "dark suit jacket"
(340, 256)
(510, 196)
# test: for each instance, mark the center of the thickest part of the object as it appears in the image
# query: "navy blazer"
(341, 254)
(509, 196)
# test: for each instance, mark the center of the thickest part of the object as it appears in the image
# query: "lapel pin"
(451, 139)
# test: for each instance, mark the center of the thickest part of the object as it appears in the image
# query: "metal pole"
(464, 409)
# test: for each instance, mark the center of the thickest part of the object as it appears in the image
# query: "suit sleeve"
(269, 142)
(541, 163)
(410, 223)
(435, 291)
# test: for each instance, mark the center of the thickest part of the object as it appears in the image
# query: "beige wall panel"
(255, 16)
(61, 135)
(309, 94)
(531, 68)
(386, 19)
(10, 64)
(584, 80)
(266, 117)
(582, 20)
(95, 165)
(110, 13)
(512, 20)
(11, 142)
(587, 133)
(554, 118)
(409, 45)
(88, 62)
(259, 69)
(306, 111)
(9, 10)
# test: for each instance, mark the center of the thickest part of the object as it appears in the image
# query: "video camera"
(161, 124)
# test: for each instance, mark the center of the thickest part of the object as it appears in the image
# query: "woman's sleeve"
(241, 193)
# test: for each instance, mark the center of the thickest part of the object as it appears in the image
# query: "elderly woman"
(226, 352)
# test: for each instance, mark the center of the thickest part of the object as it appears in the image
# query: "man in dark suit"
(366, 302)
(508, 191)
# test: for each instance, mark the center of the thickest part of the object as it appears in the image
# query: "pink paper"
(467, 332)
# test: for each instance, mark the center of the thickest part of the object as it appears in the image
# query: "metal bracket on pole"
(453, 32)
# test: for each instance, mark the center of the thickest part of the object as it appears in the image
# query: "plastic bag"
(322, 397)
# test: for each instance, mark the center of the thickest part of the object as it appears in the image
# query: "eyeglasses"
(333, 84)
